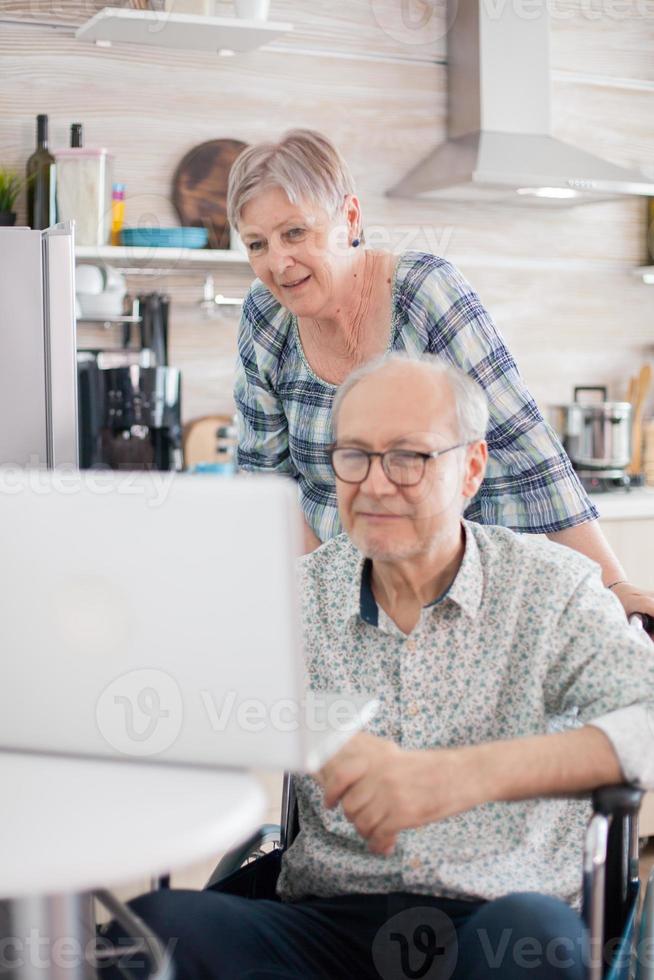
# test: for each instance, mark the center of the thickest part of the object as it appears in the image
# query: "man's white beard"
(399, 553)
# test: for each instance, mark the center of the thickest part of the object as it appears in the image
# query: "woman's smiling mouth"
(296, 284)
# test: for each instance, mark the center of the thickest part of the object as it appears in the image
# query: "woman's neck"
(356, 325)
(343, 320)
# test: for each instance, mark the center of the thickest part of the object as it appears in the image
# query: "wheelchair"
(611, 885)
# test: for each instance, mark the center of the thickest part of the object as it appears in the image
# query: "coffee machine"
(129, 414)
(130, 401)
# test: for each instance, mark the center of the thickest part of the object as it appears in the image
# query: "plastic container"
(205, 8)
(84, 193)
(252, 9)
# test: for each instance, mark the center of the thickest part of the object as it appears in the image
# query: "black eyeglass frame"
(414, 453)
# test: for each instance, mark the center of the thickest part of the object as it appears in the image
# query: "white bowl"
(89, 279)
(109, 303)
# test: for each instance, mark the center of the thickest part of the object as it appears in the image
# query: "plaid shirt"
(284, 409)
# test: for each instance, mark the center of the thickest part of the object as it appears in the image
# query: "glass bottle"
(41, 180)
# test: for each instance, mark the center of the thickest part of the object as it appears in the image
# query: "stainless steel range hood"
(499, 148)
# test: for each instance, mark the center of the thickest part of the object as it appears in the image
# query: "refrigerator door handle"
(60, 337)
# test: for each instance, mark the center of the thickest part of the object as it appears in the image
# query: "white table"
(69, 825)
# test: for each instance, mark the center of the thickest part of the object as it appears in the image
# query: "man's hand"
(384, 789)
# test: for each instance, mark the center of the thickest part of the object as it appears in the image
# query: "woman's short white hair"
(470, 402)
(304, 164)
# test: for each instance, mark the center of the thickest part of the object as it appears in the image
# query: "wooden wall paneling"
(364, 28)
(610, 310)
(612, 40)
(208, 378)
(569, 329)
(605, 236)
(558, 282)
(71, 12)
(610, 120)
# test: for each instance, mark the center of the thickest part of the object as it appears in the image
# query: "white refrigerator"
(38, 369)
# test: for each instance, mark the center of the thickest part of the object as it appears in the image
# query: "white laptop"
(154, 617)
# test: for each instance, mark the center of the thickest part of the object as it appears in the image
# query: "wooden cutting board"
(200, 188)
(201, 440)
(638, 389)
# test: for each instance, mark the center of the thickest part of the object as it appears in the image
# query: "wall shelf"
(155, 259)
(108, 320)
(164, 29)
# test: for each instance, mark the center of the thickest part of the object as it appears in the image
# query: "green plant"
(10, 187)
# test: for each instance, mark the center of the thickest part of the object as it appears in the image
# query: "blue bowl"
(217, 469)
(165, 237)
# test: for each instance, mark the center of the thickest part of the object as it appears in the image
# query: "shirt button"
(415, 864)
(410, 646)
(413, 709)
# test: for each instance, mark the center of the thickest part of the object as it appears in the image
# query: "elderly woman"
(322, 304)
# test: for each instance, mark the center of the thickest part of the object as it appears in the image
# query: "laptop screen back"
(151, 616)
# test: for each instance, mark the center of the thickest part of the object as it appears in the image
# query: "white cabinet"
(633, 543)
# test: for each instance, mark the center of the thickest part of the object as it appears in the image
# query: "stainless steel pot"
(596, 435)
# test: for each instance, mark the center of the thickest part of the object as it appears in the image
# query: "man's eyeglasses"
(403, 467)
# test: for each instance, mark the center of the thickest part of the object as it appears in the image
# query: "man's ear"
(475, 468)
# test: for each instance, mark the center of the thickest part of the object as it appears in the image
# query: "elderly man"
(433, 844)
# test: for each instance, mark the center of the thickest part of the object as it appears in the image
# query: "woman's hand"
(589, 540)
(635, 600)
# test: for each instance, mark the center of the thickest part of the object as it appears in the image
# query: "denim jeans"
(213, 936)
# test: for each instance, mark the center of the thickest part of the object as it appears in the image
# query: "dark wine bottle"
(41, 180)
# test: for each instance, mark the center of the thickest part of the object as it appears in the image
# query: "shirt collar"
(466, 589)
(468, 586)
(368, 608)
(357, 586)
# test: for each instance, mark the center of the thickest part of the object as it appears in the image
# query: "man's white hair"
(470, 402)
(303, 163)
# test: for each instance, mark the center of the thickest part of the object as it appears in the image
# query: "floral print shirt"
(525, 641)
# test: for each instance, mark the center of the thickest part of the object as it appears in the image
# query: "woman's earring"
(356, 243)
